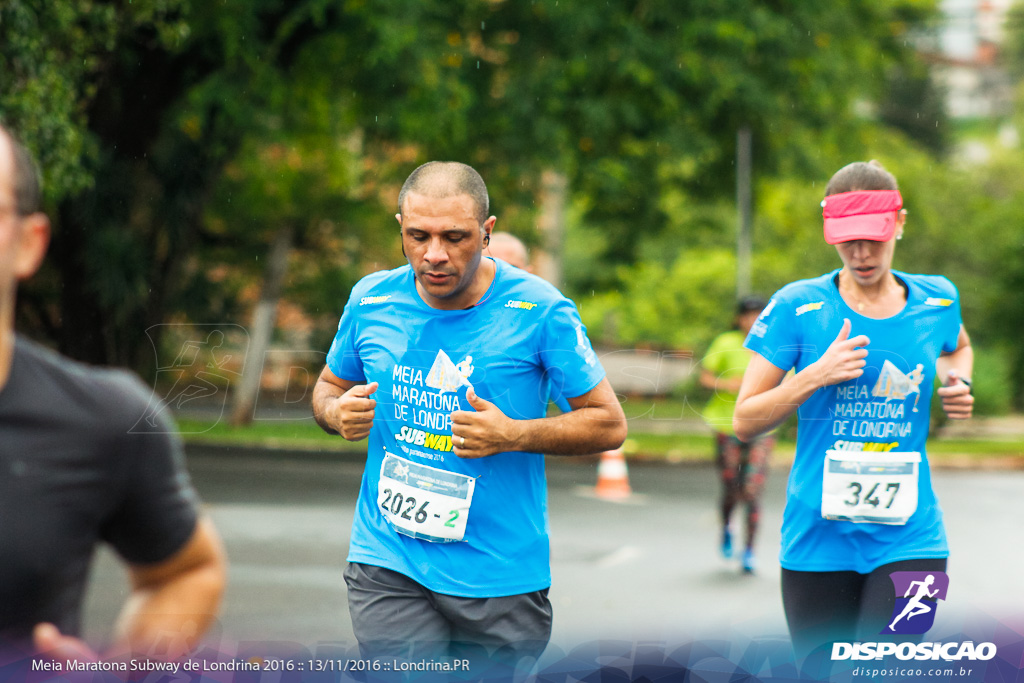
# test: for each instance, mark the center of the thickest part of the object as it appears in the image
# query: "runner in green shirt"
(742, 466)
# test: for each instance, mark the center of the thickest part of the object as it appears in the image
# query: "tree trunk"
(262, 328)
(744, 238)
(554, 190)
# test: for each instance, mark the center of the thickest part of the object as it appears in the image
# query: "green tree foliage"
(1012, 48)
(190, 132)
(963, 222)
(165, 100)
(636, 101)
(52, 63)
(914, 105)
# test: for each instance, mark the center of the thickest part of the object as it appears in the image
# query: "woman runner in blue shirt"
(867, 344)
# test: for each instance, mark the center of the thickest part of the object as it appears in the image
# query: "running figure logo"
(917, 594)
(896, 386)
(205, 366)
(444, 375)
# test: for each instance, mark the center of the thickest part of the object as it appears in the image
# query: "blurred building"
(965, 58)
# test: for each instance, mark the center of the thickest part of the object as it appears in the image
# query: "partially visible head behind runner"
(443, 213)
(747, 310)
(510, 249)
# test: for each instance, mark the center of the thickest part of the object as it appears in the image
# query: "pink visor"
(861, 215)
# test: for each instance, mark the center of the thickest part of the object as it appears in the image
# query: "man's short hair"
(27, 184)
(440, 179)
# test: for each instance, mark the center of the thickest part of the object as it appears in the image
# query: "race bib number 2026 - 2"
(424, 502)
(870, 487)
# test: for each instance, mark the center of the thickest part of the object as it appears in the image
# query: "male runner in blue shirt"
(445, 364)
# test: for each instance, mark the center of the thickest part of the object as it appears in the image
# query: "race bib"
(424, 502)
(870, 487)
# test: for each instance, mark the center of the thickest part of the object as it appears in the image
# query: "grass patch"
(666, 409)
(673, 447)
(975, 448)
(296, 434)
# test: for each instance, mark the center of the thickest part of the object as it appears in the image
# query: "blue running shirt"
(868, 420)
(520, 342)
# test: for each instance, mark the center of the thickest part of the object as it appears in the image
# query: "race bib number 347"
(870, 487)
(424, 502)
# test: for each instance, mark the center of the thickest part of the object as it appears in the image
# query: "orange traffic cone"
(612, 476)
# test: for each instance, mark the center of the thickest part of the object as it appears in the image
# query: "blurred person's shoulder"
(45, 381)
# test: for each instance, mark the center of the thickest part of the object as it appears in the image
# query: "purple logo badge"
(917, 594)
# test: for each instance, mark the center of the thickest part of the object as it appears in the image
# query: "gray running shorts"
(394, 616)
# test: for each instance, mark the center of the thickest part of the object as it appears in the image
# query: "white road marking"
(632, 499)
(621, 556)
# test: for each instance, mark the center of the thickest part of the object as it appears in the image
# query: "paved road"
(644, 570)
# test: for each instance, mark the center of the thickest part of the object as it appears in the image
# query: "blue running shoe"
(726, 543)
(748, 561)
